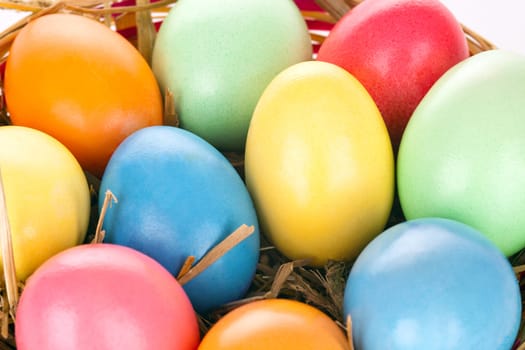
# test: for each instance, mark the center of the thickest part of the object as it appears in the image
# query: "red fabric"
(318, 25)
(307, 5)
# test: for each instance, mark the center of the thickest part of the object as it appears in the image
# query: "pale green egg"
(217, 57)
(462, 155)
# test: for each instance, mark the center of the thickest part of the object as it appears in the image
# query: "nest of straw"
(276, 275)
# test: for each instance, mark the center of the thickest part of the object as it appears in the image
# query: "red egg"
(397, 49)
(104, 297)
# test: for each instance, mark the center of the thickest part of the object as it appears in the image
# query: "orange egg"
(82, 83)
(276, 324)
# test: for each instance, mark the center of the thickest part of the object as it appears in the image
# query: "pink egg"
(105, 297)
(397, 49)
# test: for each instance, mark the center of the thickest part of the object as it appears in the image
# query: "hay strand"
(476, 42)
(319, 16)
(146, 32)
(8, 260)
(107, 17)
(4, 118)
(336, 8)
(519, 269)
(109, 198)
(170, 113)
(282, 275)
(216, 252)
(97, 11)
(186, 266)
(349, 332)
(4, 317)
(27, 7)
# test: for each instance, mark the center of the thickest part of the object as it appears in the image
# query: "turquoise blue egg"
(433, 284)
(179, 197)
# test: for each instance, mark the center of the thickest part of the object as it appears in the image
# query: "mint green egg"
(217, 57)
(462, 155)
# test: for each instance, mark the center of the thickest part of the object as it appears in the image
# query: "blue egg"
(432, 284)
(178, 197)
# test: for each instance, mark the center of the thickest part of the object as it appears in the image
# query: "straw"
(4, 119)
(8, 260)
(349, 332)
(216, 252)
(336, 8)
(146, 31)
(170, 113)
(99, 232)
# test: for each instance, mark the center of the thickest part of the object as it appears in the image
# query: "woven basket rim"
(329, 12)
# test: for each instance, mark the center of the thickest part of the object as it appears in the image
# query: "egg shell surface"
(179, 197)
(278, 324)
(107, 297)
(77, 80)
(462, 156)
(47, 196)
(397, 49)
(433, 284)
(216, 58)
(319, 164)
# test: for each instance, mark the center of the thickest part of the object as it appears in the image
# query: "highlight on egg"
(319, 164)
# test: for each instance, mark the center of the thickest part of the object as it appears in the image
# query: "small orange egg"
(82, 83)
(276, 324)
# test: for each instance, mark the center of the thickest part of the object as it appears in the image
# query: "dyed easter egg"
(80, 82)
(433, 284)
(216, 58)
(462, 156)
(47, 196)
(319, 164)
(179, 197)
(103, 296)
(278, 324)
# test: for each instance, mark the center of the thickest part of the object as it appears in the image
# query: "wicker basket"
(276, 276)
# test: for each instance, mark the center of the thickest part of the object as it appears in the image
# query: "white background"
(501, 22)
(8, 17)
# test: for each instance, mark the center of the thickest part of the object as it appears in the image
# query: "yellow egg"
(319, 164)
(47, 196)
